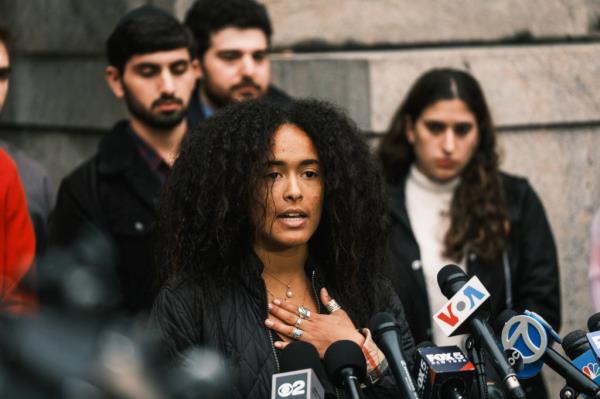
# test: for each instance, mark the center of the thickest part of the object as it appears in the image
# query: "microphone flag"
(439, 370)
(461, 306)
(528, 336)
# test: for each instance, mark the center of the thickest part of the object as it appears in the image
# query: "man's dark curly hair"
(210, 16)
(147, 29)
(205, 216)
(478, 212)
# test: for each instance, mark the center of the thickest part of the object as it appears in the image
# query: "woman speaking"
(273, 223)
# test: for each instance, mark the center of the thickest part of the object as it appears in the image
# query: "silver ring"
(296, 333)
(298, 322)
(332, 306)
(304, 313)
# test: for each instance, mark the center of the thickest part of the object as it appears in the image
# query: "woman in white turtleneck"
(428, 202)
(451, 204)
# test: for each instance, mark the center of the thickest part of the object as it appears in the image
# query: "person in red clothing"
(17, 239)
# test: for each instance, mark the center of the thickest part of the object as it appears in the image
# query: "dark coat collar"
(397, 201)
(117, 150)
(118, 155)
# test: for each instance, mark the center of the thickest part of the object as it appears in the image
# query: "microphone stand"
(476, 356)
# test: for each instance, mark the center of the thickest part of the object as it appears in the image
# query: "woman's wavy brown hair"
(479, 218)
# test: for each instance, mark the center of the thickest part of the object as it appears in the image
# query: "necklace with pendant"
(288, 292)
(285, 299)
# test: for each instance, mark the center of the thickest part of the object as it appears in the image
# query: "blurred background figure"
(234, 41)
(17, 238)
(77, 347)
(152, 67)
(451, 204)
(594, 269)
(38, 188)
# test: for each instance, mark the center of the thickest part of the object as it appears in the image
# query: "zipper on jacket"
(317, 301)
(312, 282)
(270, 335)
(272, 344)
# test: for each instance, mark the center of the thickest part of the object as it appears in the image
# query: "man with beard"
(152, 66)
(233, 39)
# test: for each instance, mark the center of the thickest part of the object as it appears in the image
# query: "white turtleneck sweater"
(428, 206)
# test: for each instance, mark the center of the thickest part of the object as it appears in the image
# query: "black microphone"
(575, 344)
(451, 280)
(300, 355)
(583, 360)
(299, 377)
(386, 334)
(442, 372)
(594, 322)
(346, 365)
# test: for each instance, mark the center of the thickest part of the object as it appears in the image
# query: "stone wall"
(538, 62)
(392, 22)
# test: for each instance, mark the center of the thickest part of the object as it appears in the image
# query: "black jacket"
(235, 327)
(117, 193)
(531, 281)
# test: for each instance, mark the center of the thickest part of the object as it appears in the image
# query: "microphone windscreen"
(299, 355)
(594, 322)
(447, 276)
(380, 323)
(501, 320)
(575, 344)
(345, 354)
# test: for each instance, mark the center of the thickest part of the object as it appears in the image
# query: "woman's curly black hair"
(478, 212)
(205, 216)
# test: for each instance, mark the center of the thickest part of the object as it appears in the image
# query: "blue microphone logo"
(529, 337)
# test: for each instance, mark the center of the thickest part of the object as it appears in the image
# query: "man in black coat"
(234, 38)
(152, 66)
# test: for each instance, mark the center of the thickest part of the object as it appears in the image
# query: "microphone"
(299, 362)
(386, 334)
(594, 322)
(346, 365)
(465, 297)
(518, 328)
(577, 347)
(524, 340)
(442, 372)
(594, 334)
